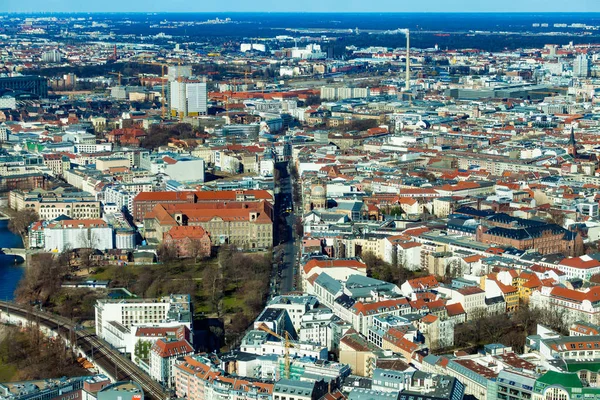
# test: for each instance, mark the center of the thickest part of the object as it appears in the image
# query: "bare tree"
(167, 252)
(65, 258)
(213, 286)
(86, 253)
(453, 269)
(195, 249)
(19, 223)
(42, 279)
(557, 217)
(299, 227)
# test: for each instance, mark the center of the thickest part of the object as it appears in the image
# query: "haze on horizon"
(32, 6)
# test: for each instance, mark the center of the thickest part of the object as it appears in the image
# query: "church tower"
(572, 148)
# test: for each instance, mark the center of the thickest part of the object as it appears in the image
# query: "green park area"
(231, 287)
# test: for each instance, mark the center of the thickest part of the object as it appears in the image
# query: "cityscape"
(314, 205)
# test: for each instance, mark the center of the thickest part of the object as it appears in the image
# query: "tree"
(453, 269)
(429, 176)
(294, 172)
(86, 258)
(21, 220)
(159, 135)
(396, 211)
(65, 258)
(195, 249)
(142, 349)
(213, 286)
(37, 357)
(86, 254)
(396, 258)
(299, 227)
(361, 124)
(42, 278)
(166, 252)
(378, 268)
(591, 248)
(312, 101)
(557, 218)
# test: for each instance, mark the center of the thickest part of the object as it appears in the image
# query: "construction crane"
(410, 96)
(226, 104)
(246, 73)
(119, 75)
(287, 346)
(162, 86)
(122, 78)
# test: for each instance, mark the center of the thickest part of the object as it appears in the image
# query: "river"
(10, 274)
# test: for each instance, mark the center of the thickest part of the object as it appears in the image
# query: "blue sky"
(301, 5)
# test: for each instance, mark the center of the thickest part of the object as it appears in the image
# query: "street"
(288, 264)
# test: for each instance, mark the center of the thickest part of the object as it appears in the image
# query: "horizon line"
(298, 12)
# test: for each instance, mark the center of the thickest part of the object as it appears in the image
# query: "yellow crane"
(162, 78)
(410, 96)
(246, 74)
(287, 346)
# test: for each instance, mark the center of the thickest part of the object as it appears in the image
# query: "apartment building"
(247, 225)
(50, 205)
(58, 236)
(163, 357)
(197, 379)
(127, 312)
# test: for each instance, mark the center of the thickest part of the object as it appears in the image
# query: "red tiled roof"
(193, 232)
(424, 282)
(470, 290)
(162, 196)
(169, 160)
(463, 185)
(568, 294)
(396, 338)
(455, 309)
(583, 262)
(474, 258)
(171, 348)
(409, 245)
(429, 319)
(477, 368)
(378, 307)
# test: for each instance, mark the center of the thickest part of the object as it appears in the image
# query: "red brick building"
(545, 239)
(189, 241)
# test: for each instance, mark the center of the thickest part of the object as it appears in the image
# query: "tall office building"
(581, 66)
(52, 56)
(188, 98)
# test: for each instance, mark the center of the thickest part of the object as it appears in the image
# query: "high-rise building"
(581, 66)
(52, 56)
(188, 98)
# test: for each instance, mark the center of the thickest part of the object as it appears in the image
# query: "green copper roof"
(564, 379)
(583, 366)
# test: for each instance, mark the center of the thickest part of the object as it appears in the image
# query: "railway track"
(101, 353)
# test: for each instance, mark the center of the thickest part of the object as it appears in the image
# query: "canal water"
(10, 274)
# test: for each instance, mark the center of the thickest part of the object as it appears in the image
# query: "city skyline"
(306, 6)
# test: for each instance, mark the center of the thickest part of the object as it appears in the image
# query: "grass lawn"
(7, 372)
(232, 304)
